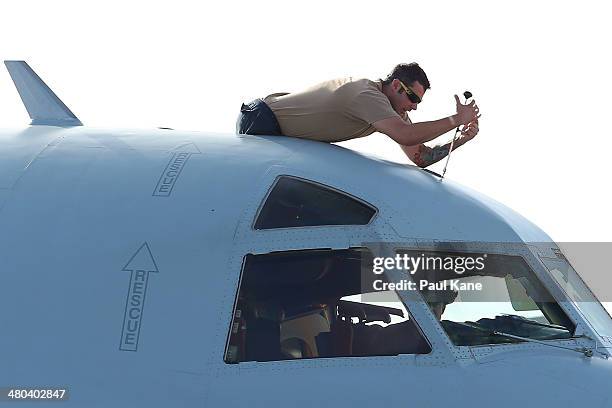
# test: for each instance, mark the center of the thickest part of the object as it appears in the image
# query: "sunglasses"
(414, 98)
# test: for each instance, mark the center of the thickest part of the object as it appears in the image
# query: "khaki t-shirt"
(332, 111)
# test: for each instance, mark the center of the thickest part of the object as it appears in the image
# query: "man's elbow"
(420, 163)
(420, 155)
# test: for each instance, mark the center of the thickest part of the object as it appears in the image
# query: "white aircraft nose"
(557, 378)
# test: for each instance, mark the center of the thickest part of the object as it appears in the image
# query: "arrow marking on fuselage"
(173, 169)
(139, 266)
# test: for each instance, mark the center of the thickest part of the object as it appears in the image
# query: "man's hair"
(408, 73)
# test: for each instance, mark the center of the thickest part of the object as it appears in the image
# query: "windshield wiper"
(521, 319)
(587, 352)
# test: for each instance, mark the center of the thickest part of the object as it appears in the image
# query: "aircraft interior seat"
(263, 340)
(294, 348)
(338, 342)
(342, 337)
(305, 329)
(366, 339)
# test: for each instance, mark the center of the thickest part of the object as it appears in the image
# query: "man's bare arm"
(411, 134)
(424, 156)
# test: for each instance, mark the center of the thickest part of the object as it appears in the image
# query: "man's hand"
(470, 130)
(466, 113)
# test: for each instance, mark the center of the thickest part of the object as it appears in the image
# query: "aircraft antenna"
(467, 95)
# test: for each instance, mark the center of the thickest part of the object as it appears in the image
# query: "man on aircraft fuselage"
(344, 109)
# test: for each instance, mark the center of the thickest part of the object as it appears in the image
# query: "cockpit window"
(306, 304)
(497, 300)
(578, 292)
(295, 202)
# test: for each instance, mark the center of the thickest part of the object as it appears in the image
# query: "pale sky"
(539, 71)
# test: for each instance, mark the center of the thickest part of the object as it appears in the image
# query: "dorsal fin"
(43, 106)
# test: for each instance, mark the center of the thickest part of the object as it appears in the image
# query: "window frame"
(541, 274)
(433, 346)
(317, 184)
